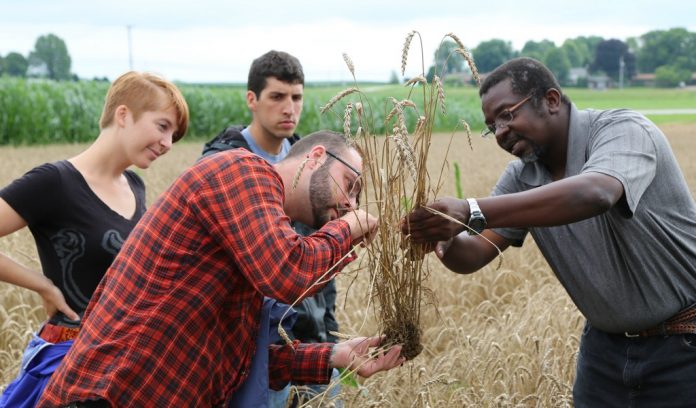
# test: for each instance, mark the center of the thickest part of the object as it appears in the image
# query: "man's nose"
(500, 133)
(351, 202)
(288, 105)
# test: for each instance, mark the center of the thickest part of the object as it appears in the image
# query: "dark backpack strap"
(294, 138)
(230, 138)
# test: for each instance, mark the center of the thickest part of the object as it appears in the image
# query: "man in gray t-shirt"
(604, 199)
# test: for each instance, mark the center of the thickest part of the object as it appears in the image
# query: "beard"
(535, 154)
(320, 196)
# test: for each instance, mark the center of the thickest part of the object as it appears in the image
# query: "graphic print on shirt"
(112, 242)
(70, 246)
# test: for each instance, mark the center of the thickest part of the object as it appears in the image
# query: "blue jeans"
(617, 371)
(332, 396)
(278, 399)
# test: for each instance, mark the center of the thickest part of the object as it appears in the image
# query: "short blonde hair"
(145, 92)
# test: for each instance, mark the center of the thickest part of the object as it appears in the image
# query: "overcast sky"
(215, 41)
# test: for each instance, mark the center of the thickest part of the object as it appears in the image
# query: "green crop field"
(47, 112)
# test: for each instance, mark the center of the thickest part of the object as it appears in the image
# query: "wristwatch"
(477, 222)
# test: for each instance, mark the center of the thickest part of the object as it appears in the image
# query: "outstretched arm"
(562, 202)
(312, 363)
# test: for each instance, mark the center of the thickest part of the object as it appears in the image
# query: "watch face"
(478, 224)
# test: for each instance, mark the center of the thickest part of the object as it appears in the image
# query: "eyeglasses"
(355, 186)
(503, 119)
(344, 162)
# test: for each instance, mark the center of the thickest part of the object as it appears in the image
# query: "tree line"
(669, 54)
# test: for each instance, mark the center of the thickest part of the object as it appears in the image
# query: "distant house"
(599, 82)
(647, 79)
(576, 75)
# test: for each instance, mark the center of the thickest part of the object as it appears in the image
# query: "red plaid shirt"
(173, 323)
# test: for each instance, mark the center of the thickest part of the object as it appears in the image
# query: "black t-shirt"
(77, 235)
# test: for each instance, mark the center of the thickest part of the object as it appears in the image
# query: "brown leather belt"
(683, 322)
(53, 333)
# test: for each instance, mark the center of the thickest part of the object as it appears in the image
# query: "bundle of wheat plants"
(397, 180)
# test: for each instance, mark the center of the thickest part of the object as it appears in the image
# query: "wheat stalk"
(404, 51)
(467, 129)
(349, 63)
(456, 39)
(440, 93)
(420, 79)
(337, 98)
(359, 110)
(298, 173)
(398, 109)
(406, 153)
(346, 121)
(470, 62)
(420, 125)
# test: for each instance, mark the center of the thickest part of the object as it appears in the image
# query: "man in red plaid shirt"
(173, 322)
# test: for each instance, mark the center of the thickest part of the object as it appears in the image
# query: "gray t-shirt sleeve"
(509, 183)
(626, 151)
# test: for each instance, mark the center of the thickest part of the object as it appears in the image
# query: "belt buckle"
(631, 335)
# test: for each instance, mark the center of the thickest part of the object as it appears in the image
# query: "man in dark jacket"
(274, 96)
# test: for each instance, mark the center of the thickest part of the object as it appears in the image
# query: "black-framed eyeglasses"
(345, 163)
(503, 119)
(355, 186)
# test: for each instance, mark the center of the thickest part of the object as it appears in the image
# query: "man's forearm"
(559, 203)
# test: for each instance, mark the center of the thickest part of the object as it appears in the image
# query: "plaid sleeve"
(308, 363)
(242, 207)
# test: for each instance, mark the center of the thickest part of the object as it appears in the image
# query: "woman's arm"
(17, 274)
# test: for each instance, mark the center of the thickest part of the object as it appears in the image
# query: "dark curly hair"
(278, 64)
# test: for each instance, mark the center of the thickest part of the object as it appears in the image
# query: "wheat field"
(503, 337)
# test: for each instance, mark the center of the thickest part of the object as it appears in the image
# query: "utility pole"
(130, 48)
(621, 71)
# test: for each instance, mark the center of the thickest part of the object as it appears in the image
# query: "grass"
(683, 119)
(634, 98)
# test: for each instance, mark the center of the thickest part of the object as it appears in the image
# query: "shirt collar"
(535, 174)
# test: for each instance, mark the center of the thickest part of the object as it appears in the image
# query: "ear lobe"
(553, 100)
(251, 100)
(120, 115)
(317, 152)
